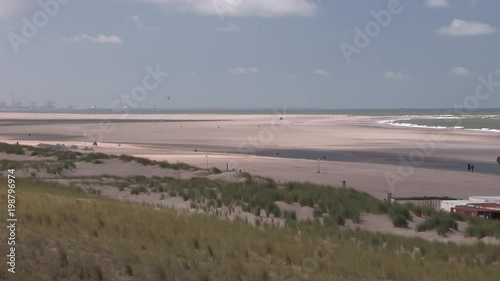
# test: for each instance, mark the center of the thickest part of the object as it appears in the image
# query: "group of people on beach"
(470, 168)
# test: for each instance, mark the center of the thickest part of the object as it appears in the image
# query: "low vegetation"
(162, 164)
(11, 149)
(481, 228)
(254, 195)
(333, 206)
(68, 158)
(70, 235)
(73, 235)
(441, 222)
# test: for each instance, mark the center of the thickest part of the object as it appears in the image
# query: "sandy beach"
(370, 156)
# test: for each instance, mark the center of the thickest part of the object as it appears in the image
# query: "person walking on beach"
(468, 167)
(472, 168)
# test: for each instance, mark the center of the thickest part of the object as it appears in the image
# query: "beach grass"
(11, 149)
(334, 205)
(66, 234)
(255, 193)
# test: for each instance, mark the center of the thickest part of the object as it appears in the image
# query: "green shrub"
(126, 158)
(418, 212)
(339, 220)
(290, 215)
(481, 228)
(441, 222)
(11, 149)
(138, 190)
(457, 216)
(66, 155)
(145, 161)
(9, 164)
(273, 209)
(95, 156)
(399, 221)
(215, 170)
(400, 210)
(317, 213)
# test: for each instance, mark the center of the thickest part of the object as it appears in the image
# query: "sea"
(479, 121)
(484, 119)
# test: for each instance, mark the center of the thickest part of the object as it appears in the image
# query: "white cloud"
(391, 75)
(240, 8)
(136, 19)
(230, 27)
(321, 72)
(437, 3)
(242, 70)
(461, 71)
(101, 39)
(466, 28)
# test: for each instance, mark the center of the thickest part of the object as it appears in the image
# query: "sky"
(334, 54)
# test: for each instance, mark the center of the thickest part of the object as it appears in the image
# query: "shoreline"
(400, 123)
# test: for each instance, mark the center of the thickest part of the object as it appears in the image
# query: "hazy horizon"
(294, 53)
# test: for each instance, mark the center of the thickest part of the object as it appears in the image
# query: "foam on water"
(406, 122)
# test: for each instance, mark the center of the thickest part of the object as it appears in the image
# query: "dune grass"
(65, 234)
(442, 222)
(10, 164)
(481, 228)
(256, 194)
(334, 205)
(162, 164)
(11, 149)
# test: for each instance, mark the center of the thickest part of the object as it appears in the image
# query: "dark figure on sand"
(468, 167)
(472, 168)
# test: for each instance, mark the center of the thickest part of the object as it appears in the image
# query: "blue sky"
(251, 53)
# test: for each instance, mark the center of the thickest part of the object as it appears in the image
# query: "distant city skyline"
(249, 53)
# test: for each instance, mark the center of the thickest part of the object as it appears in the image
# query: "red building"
(489, 214)
(491, 206)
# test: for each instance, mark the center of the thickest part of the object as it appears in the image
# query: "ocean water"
(485, 119)
(469, 122)
(268, 110)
